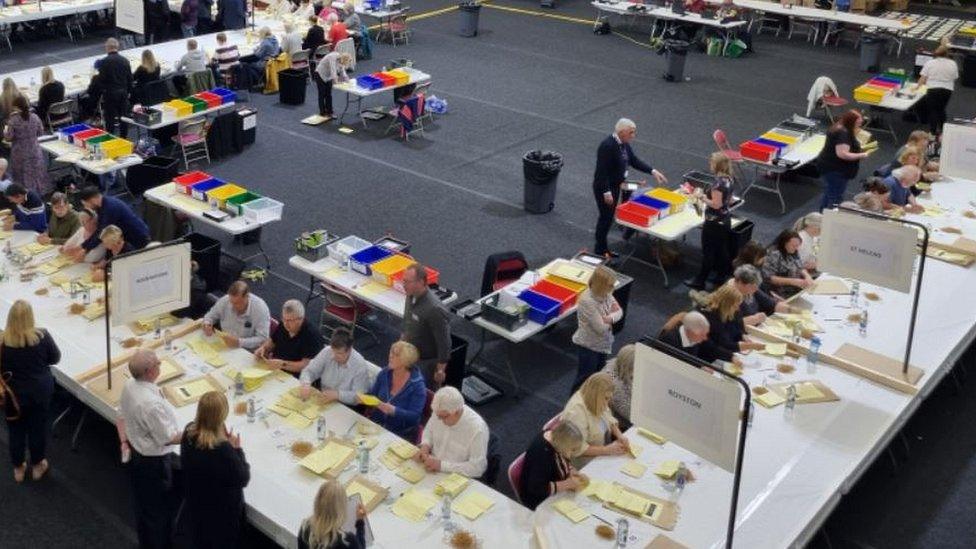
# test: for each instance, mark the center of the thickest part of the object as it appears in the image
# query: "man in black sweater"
(691, 336)
(425, 325)
(612, 160)
(115, 78)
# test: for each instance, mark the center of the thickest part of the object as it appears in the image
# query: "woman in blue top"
(402, 392)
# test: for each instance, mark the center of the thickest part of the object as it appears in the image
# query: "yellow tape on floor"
(417, 17)
(539, 14)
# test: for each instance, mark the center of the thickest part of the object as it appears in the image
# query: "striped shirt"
(227, 57)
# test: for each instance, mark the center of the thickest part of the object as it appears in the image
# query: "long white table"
(168, 119)
(796, 469)
(658, 13)
(804, 153)
(50, 9)
(168, 196)
(891, 105)
(78, 157)
(356, 94)
(281, 492)
(846, 17)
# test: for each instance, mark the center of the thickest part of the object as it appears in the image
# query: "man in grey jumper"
(425, 325)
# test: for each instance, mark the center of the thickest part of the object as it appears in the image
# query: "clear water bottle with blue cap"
(855, 291)
(446, 511)
(363, 457)
(239, 384)
(863, 324)
(623, 531)
(252, 412)
(813, 354)
(321, 429)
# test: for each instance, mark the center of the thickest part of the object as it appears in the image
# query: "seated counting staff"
(899, 185)
(402, 392)
(294, 343)
(73, 246)
(28, 214)
(688, 332)
(114, 245)
(112, 211)
(63, 222)
(756, 303)
(243, 317)
(455, 439)
(547, 468)
(341, 371)
(726, 329)
(783, 271)
(589, 410)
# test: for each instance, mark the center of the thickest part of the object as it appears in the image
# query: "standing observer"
(425, 326)
(840, 158)
(26, 356)
(597, 311)
(716, 231)
(939, 75)
(612, 159)
(115, 77)
(149, 429)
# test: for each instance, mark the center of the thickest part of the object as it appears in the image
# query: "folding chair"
(348, 45)
(300, 59)
(191, 137)
(62, 114)
(515, 476)
(342, 308)
(74, 22)
(424, 89)
(5, 31)
(734, 156)
(398, 29)
(408, 116)
(810, 28)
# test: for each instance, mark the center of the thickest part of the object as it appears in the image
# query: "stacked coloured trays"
(645, 209)
(96, 140)
(202, 186)
(180, 108)
(380, 80)
(875, 90)
(773, 144)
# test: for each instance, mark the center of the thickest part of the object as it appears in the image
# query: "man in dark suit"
(115, 77)
(612, 160)
(691, 336)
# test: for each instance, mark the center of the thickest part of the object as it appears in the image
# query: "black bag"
(601, 25)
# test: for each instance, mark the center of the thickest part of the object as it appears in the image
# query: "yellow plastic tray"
(116, 148)
(677, 200)
(223, 192)
(384, 270)
(773, 136)
(565, 283)
(180, 107)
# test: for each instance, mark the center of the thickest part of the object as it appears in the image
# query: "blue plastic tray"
(226, 96)
(199, 190)
(542, 308)
(361, 260)
(779, 146)
(369, 82)
(661, 206)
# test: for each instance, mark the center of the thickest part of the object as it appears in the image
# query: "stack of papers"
(326, 458)
(413, 505)
(805, 319)
(633, 469)
(634, 450)
(195, 389)
(775, 349)
(54, 265)
(472, 505)
(808, 391)
(654, 437)
(365, 492)
(93, 311)
(668, 469)
(769, 399)
(570, 510)
(298, 421)
(368, 400)
(35, 248)
(601, 490)
(631, 502)
(411, 472)
(208, 350)
(452, 484)
(777, 327)
(391, 461)
(403, 449)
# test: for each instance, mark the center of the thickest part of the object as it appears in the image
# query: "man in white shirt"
(455, 439)
(342, 372)
(244, 318)
(149, 428)
(939, 75)
(291, 42)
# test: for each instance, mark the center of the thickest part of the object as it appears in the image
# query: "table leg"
(345, 109)
(481, 347)
(509, 351)
(311, 289)
(81, 423)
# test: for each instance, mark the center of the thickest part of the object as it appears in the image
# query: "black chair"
(154, 92)
(502, 269)
(494, 461)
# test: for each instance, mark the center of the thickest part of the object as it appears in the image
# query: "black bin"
(676, 52)
(291, 86)
(454, 376)
(968, 74)
(740, 234)
(153, 172)
(871, 48)
(541, 170)
(247, 125)
(206, 252)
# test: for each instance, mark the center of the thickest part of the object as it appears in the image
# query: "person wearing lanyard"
(939, 74)
(244, 318)
(612, 159)
(840, 158)
(716, 252)
(148, 428)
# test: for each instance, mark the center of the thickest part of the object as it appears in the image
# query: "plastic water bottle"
(446, 511)
(251, 410)
(321, 429)
(790, 399)
(796, 332)
(33, 83)
(813, 354)
(623, 531)
(363, 457)
(863, 324)
(157, 327)
(168, 339)
(239, 385)
(681, 477)
(855, 292)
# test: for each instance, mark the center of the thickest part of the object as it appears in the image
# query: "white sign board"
(694, 409)
(958, 158)
(871, 250)
(130, 15)
(150, 283)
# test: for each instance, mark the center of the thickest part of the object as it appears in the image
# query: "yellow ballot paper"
(668, 469)
(413, 505)
(770, 399)
(453, 484)
(298, 421)
(654, 437)
(280, 410)
(633, 469)
(291, 402)
(196, 388)
(601, 490)
(311, 411)
(403, 449)
(411, 472)
(368, 400)
(371, 288)
(570, 510)
(472, 505)
(632, 503)
(808, 391)
(326, 458)
(391, 461)
(775, 349)
(356, 487)
(634, 450)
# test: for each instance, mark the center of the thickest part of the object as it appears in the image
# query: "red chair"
(342, 308)
(425, 415)
(502, 269)
(272, 326)
(830, 99)
(722, 142)
(515, 476)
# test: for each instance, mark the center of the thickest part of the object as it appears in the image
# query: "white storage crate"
(341, 249)
(262, 210)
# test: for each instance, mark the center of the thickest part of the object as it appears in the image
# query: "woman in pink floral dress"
(27, 165)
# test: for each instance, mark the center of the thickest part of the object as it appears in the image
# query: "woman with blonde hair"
(621, 370)
(547, 467)
(7, 96)
(401, 391)
(51, 92)
(596, 313)
(215, 473)
(26, 356)
(589, 410)
(716, 248)
(726, 329)
(808, 227)
(323, 530)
